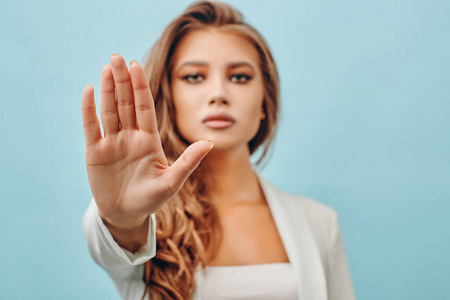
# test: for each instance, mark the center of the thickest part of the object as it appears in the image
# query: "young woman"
(179, 212)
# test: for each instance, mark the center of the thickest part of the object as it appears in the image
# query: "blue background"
(365, 129)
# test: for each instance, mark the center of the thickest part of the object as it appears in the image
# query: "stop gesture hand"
(128, 172)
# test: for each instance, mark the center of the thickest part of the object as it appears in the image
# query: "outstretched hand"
(128, 172)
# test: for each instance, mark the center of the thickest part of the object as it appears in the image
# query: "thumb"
(189, 160)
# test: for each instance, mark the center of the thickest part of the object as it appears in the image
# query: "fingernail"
(133, 62)
(115, 54)
(212, 144)
(106, 66)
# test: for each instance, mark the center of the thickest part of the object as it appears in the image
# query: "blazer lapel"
(298, 242)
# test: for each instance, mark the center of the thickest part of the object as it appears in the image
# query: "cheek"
(186, 112)
(251, 113)
(180, 103)
(186, 97)
(183, 118)
(253, 103)
(180, 109)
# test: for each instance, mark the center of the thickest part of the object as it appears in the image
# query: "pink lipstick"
(218, 120)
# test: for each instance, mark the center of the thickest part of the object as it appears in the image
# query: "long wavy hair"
(188, 231)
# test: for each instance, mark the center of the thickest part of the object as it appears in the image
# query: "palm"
(118, 164)
(127, 169)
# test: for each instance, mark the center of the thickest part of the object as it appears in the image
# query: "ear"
(263, 114)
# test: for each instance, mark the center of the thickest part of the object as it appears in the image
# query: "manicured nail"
(212, 144)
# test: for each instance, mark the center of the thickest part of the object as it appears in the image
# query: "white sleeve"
(120, 263)
(339, 282)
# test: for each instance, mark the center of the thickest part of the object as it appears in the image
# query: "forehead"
(214, 47)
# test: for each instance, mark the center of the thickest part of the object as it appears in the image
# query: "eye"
(194, 78)
(240, 78)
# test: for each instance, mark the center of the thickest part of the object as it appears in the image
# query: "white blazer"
(309, 231)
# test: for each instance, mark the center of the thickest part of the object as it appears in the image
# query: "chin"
(224, 140)
(229, 145)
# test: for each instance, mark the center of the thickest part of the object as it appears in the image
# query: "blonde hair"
(188, 232)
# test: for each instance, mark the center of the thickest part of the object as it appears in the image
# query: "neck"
(232, 177)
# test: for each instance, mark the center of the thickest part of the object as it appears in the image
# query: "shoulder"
(321, 219)
(312, 208)
(315, 211)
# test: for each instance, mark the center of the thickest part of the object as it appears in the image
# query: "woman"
(165, 226)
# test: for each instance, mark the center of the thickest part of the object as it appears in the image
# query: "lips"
(218, 120)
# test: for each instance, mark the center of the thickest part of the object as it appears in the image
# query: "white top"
(262, 281)
(310, 233)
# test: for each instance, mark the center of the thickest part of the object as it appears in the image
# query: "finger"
(91, 126)
(143, 100)
(124, 92)
(188, 162)
(108, 107)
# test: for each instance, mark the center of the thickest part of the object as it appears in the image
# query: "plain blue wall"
(365, 129)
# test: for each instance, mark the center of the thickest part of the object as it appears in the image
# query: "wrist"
(123, 223)
(130, 235)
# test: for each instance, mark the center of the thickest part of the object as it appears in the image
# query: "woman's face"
(217, 89)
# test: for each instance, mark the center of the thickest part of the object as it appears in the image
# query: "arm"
(117, 261)
(339, 282)
(128, 173)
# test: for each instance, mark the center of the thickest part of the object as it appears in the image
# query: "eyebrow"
(205, 64)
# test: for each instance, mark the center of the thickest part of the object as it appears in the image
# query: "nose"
(219, 94)
(218, 100)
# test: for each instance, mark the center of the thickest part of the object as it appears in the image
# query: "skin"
(128, 171)
(217, 71)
